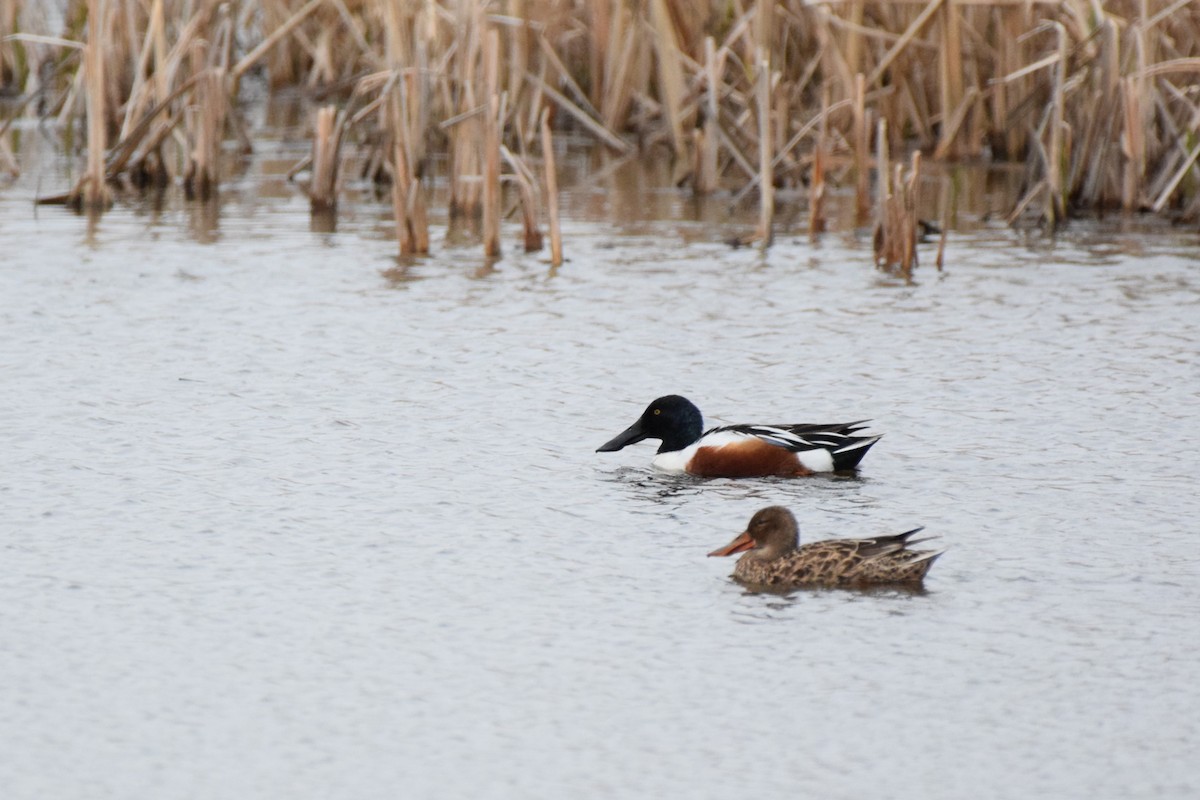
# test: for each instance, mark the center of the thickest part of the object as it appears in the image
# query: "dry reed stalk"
(1164, 196)
(816, 192)
(202, 175)
(830, 56)
(403, 114)
(1015, 20)
(408, 195)
(940, 260)
(861, 139)
(1095, 171)
(949, 146)
(1116, 81)
(904, 41)
(527, 193)
(282, 67)
(556, 250)
(401, 192)
(326, 155)
(597, 17)
(604, 134)
(766, 183)
(520, 48)
(706, 179)
(93, 193)
(624, 70)
(950, 77)
(13, 61)
(854, 37)
(896, 230)
(131, 150)
(491, 146)
(138, 98)
(1133, 141)
(466, 137)
(908, 219)
(883, 190)
(8, 160)
(670, 73)
(1056, 209)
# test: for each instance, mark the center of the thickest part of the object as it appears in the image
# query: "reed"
(491, 146)
(467, 130)
(556, 248)
(326, 156)
(1096, 99)
(14, 66)
(860, 132)
(816, 192)
(766, 179)
(898, 204)
(408, 194)
(523, 177)
(205, 125)
(92, 192)
(707, 140)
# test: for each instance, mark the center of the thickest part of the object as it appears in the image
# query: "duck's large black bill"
(630, 435)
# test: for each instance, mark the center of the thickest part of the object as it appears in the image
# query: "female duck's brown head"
(771, 534)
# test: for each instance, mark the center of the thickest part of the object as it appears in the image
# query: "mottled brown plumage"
(774, 556)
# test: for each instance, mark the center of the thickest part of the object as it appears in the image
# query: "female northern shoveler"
(774, 556)
(741, 451)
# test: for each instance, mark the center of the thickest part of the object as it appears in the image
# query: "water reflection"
(204, 217)
(323, 221)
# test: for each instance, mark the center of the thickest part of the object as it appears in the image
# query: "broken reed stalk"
(326, 154)
(898, 206)
(491, 146)
(527, 194)
(883, 187)
(908, 217)
(556, 249)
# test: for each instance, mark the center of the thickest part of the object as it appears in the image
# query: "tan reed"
(1097, 100)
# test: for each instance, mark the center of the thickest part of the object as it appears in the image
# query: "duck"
(774, 557)
(741, 451)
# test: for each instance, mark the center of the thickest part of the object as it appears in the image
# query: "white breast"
(676, 461)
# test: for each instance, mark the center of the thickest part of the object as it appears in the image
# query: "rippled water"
(286, 519)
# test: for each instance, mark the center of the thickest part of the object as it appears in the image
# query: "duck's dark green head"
(672, 419)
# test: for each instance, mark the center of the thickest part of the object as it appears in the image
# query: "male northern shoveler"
(741, 451)
(774, 556)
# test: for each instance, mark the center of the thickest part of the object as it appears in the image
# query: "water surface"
(285, 518)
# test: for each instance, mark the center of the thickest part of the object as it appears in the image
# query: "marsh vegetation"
(1098, 102)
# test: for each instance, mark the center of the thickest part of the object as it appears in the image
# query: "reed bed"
(1099, 100)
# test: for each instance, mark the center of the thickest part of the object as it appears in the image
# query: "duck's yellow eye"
(657, 411)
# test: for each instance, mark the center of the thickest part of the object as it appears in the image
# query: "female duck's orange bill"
(739, 545)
